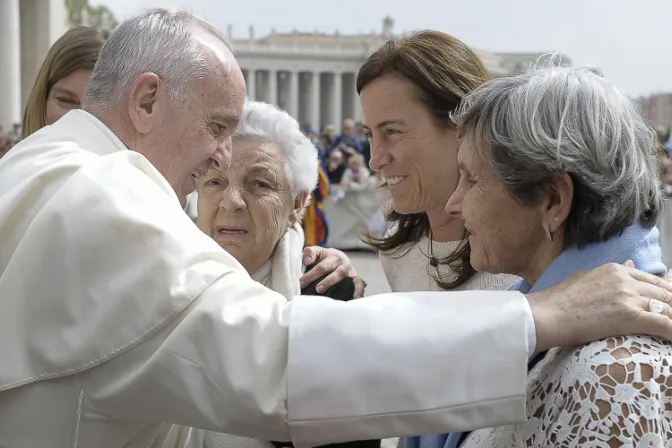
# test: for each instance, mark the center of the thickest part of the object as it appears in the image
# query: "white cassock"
(118, 315)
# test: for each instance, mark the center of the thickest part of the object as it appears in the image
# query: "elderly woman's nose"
(454, 204)
(232, 199)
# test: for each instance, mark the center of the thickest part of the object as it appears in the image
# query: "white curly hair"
(265, 121)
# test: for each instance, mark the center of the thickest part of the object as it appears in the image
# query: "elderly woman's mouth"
(230, 233)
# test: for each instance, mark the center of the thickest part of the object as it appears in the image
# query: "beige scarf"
(282, 271)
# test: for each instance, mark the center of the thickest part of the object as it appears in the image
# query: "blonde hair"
(77, 49)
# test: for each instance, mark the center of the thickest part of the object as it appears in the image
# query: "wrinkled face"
(505, 237)
(184, 140)
(67, 94)
(416, 156)
(248, 208)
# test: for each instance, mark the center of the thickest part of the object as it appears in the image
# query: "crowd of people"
(124, 324)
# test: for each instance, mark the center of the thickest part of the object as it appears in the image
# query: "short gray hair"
(158, 41)
(556, 118)
(264, 121)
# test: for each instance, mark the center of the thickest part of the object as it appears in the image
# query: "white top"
(117, 314)
(412, 271)
(614, 392)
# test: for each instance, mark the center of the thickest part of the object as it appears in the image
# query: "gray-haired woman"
(559, 173)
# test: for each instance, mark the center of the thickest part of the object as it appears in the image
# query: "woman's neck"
(537, 264)
(445, 228)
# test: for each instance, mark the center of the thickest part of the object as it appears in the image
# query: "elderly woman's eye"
(212, 183)
(261, 184)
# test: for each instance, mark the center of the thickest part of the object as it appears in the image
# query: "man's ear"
(144, 101)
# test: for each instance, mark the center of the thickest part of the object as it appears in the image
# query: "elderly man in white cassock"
(120, 319)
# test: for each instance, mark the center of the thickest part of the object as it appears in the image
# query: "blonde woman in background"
(63, 77)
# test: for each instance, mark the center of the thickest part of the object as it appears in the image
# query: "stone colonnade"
(314, 98)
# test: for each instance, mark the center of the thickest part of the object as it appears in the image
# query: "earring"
(549, 234)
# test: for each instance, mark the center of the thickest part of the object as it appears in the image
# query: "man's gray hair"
(264, 121)
(158, 41)
(556, 118)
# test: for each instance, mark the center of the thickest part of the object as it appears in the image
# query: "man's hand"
(611, 300)
(332, 262)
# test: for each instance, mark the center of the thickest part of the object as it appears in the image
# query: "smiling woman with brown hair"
(63, 77)
(408, 89)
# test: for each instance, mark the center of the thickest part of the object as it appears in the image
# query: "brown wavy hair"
(444, 70)
(77, 49)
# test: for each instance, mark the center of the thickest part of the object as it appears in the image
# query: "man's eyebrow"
(224, 117)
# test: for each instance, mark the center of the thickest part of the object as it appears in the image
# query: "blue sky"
(630, 40)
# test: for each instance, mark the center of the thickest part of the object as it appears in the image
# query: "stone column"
(273, 87)
(337, 101)
(314, 113)
(251, 84)
(10, 64)
(293, 94)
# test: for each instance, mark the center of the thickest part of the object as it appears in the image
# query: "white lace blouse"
(611, 393)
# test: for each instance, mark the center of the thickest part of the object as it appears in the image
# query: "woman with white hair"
(559, 173)
(254, 211)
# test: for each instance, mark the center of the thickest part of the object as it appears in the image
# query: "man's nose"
(221, 159)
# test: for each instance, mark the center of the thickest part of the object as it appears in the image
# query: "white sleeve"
(404, 364)
(531, 330)
(388, 365)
